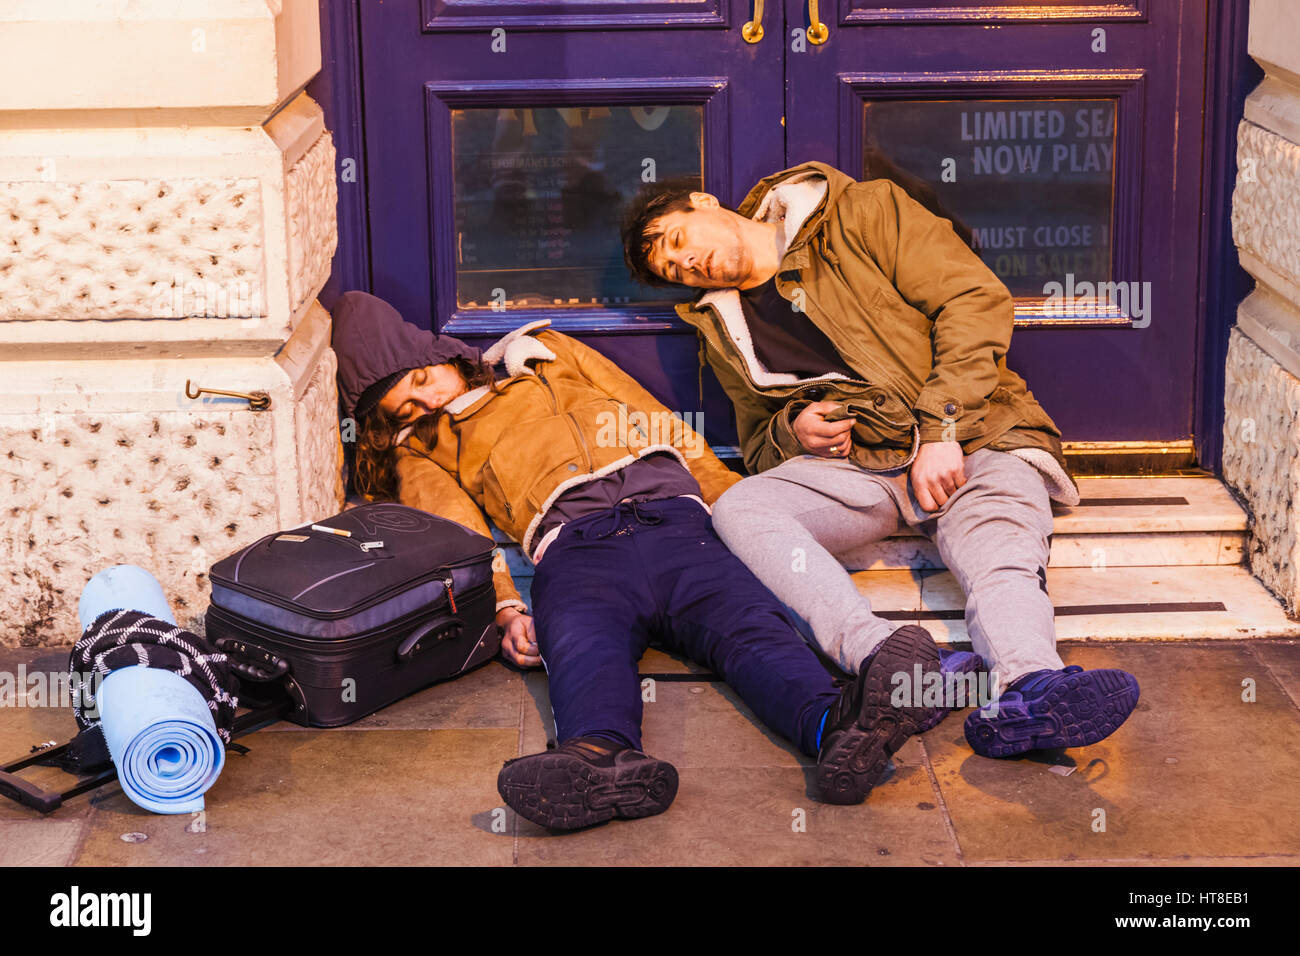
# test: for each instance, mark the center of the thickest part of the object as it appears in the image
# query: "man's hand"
(938, 471)
(518, 639)
(820, 437)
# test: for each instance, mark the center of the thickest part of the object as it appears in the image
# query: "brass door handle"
(752, 31)
(817, 32)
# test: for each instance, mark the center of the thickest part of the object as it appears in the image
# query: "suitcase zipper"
(259, 632)
(278, 600)
(451, 596)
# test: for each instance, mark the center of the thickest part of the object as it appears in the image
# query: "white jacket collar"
(795, 199)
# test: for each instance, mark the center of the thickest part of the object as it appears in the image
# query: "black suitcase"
(349, 624)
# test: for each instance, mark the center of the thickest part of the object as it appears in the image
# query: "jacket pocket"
(879, 416)
(494, 497)
(529, 460)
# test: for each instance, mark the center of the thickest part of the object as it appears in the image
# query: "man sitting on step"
(863, 345)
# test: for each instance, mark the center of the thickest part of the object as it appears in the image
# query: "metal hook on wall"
(257, 401)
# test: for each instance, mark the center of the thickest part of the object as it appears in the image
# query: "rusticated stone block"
(1266, 202)
(111, 463)
(1261, 461)
(131, 249)
(320, 455)
(311, 195)
(170, 491)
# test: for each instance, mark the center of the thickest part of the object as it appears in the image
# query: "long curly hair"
(375, 471)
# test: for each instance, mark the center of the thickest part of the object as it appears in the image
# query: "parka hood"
(803, 194)
(373, 342)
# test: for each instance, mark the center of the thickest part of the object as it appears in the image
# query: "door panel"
(998, 11)
(446, 15)
(526, 201)
(1065, 165)
(499, 163)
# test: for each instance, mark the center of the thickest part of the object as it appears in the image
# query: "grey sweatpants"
(800, 525)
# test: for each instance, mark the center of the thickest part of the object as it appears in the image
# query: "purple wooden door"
(502, 139)
(1065, 140)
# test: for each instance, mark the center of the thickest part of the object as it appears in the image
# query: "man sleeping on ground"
(608, 493)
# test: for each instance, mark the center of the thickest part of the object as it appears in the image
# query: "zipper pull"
(451, 597)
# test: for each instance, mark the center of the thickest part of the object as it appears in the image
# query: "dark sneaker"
(585, 781)
(863, 727)
(952, 662)
(1049, 709)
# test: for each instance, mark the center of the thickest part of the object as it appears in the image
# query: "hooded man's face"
(704, 247)
(422, 391)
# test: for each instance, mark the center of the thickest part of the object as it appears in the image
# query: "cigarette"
(338, 531)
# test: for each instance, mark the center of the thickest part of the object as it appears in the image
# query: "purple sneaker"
(1049, 709)
(952, 662)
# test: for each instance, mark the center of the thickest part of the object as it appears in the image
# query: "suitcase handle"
(264, 665)
(28, 794)
(439, 631)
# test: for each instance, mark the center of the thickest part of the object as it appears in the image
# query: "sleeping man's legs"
(611, 581)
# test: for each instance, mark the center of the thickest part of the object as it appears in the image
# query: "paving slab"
(763, 817)
(328, 798)
(689, 724)
(1195, 772)
(33, 712)
(1283, 661)
(1198, 776)
(40, 842)
(488, 696)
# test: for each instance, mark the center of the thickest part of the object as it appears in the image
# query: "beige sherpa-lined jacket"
(566, 415)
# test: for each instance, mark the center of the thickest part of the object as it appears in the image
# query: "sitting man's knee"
(738, 502)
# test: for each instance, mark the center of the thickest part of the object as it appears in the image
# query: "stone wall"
(1261, 456)
(136, 259)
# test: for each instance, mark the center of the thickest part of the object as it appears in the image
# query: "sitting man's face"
(703, 247)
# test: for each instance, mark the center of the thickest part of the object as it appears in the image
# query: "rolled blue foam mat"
(162, 738)
(123, 587)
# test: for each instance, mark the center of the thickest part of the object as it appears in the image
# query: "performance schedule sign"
(1031, 182)
(539, 193)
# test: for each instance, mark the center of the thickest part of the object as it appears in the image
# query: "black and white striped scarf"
(129, 638)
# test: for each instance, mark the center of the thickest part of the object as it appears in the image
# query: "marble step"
(1120, 522)
(1180, 602)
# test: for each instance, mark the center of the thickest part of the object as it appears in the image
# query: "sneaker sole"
(1085, 708)
(858, 760)
(563, 792)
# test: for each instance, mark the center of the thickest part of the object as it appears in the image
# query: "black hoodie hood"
(374, 343)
